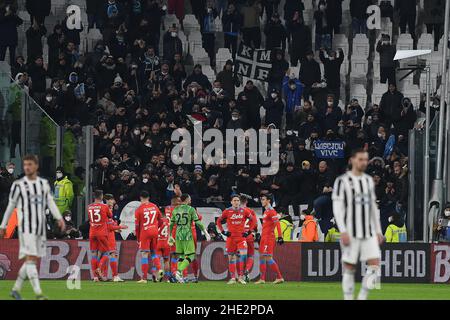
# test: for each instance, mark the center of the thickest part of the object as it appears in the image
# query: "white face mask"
(447, 213)
(330, 103)
(293, 87)
(145, 180)
(173, 34)
(380, 136)
(137, 132)
(273, 95)
(10, 170)
(49, 98)
(68, 218)
(217, 90)
(148, 145)
(391, 219)
(59, 175)
(235, 118)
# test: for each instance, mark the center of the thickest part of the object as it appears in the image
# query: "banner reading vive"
(329, 149)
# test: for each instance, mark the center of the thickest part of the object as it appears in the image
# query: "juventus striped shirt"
(354, 206)
(31, 198)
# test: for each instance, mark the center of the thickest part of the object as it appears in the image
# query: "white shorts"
(31, 245)
(362, 249)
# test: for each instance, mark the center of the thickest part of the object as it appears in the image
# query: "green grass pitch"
(130, 290)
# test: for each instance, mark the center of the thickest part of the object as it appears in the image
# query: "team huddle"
(168, 239)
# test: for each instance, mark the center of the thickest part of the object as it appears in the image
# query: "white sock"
(21, 277)
(348, 284)
(34, 277)
(369, 281)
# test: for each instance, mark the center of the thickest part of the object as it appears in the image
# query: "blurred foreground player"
(358, 219)
(251, 229)
(31, 196)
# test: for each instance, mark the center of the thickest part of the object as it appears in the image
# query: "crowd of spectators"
(136, 93)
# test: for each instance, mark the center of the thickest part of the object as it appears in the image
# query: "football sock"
(241, 264)
(103, 261)
(274, 267)
(144, 267)
(262, 269)
(32, 274)
(249, 264)
(94, 261)
(114, 266)
(368, 282)
(105, 267)
(21, 277)
(348, 283)
(232, 269)
(156, 262)
(173, 265)
(195, 268)
(183, 264)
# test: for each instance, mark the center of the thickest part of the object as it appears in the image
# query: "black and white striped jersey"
(31, 198)
(355, 206)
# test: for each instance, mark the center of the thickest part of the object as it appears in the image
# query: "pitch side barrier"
(401, 263)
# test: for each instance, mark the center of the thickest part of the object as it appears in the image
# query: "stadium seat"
(190, 24)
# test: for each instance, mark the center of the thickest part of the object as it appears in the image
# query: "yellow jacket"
(395, 234)
(63, 194)
(333, 235)
(286, 230)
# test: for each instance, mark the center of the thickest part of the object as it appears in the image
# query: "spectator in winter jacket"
(433, 17)
(251, 31)
(38, 74)
(291, 8)
(38, 10)
(292, 91)
(9, 21)
(250, 101)
(391, 106)
(94, 10)
(275, 33)
(208, 29)
(274, 109)
(198, 77)
(309, 74)
(279, 68)
(231, 23)
(228, 79)
(334, 15)
(172, 43)
(387, 64)
(301, 41)
(323, 29)
(34, 40)
(332, 68)
(407, 11)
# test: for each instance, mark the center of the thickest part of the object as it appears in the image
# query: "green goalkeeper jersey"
(182, 218)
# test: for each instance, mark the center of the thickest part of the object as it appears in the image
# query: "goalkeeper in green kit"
(182, 218)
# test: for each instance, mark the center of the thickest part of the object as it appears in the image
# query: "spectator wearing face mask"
(71, 232)
(171, 43)
(396, 230)
(274, 109)
(63, 191)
